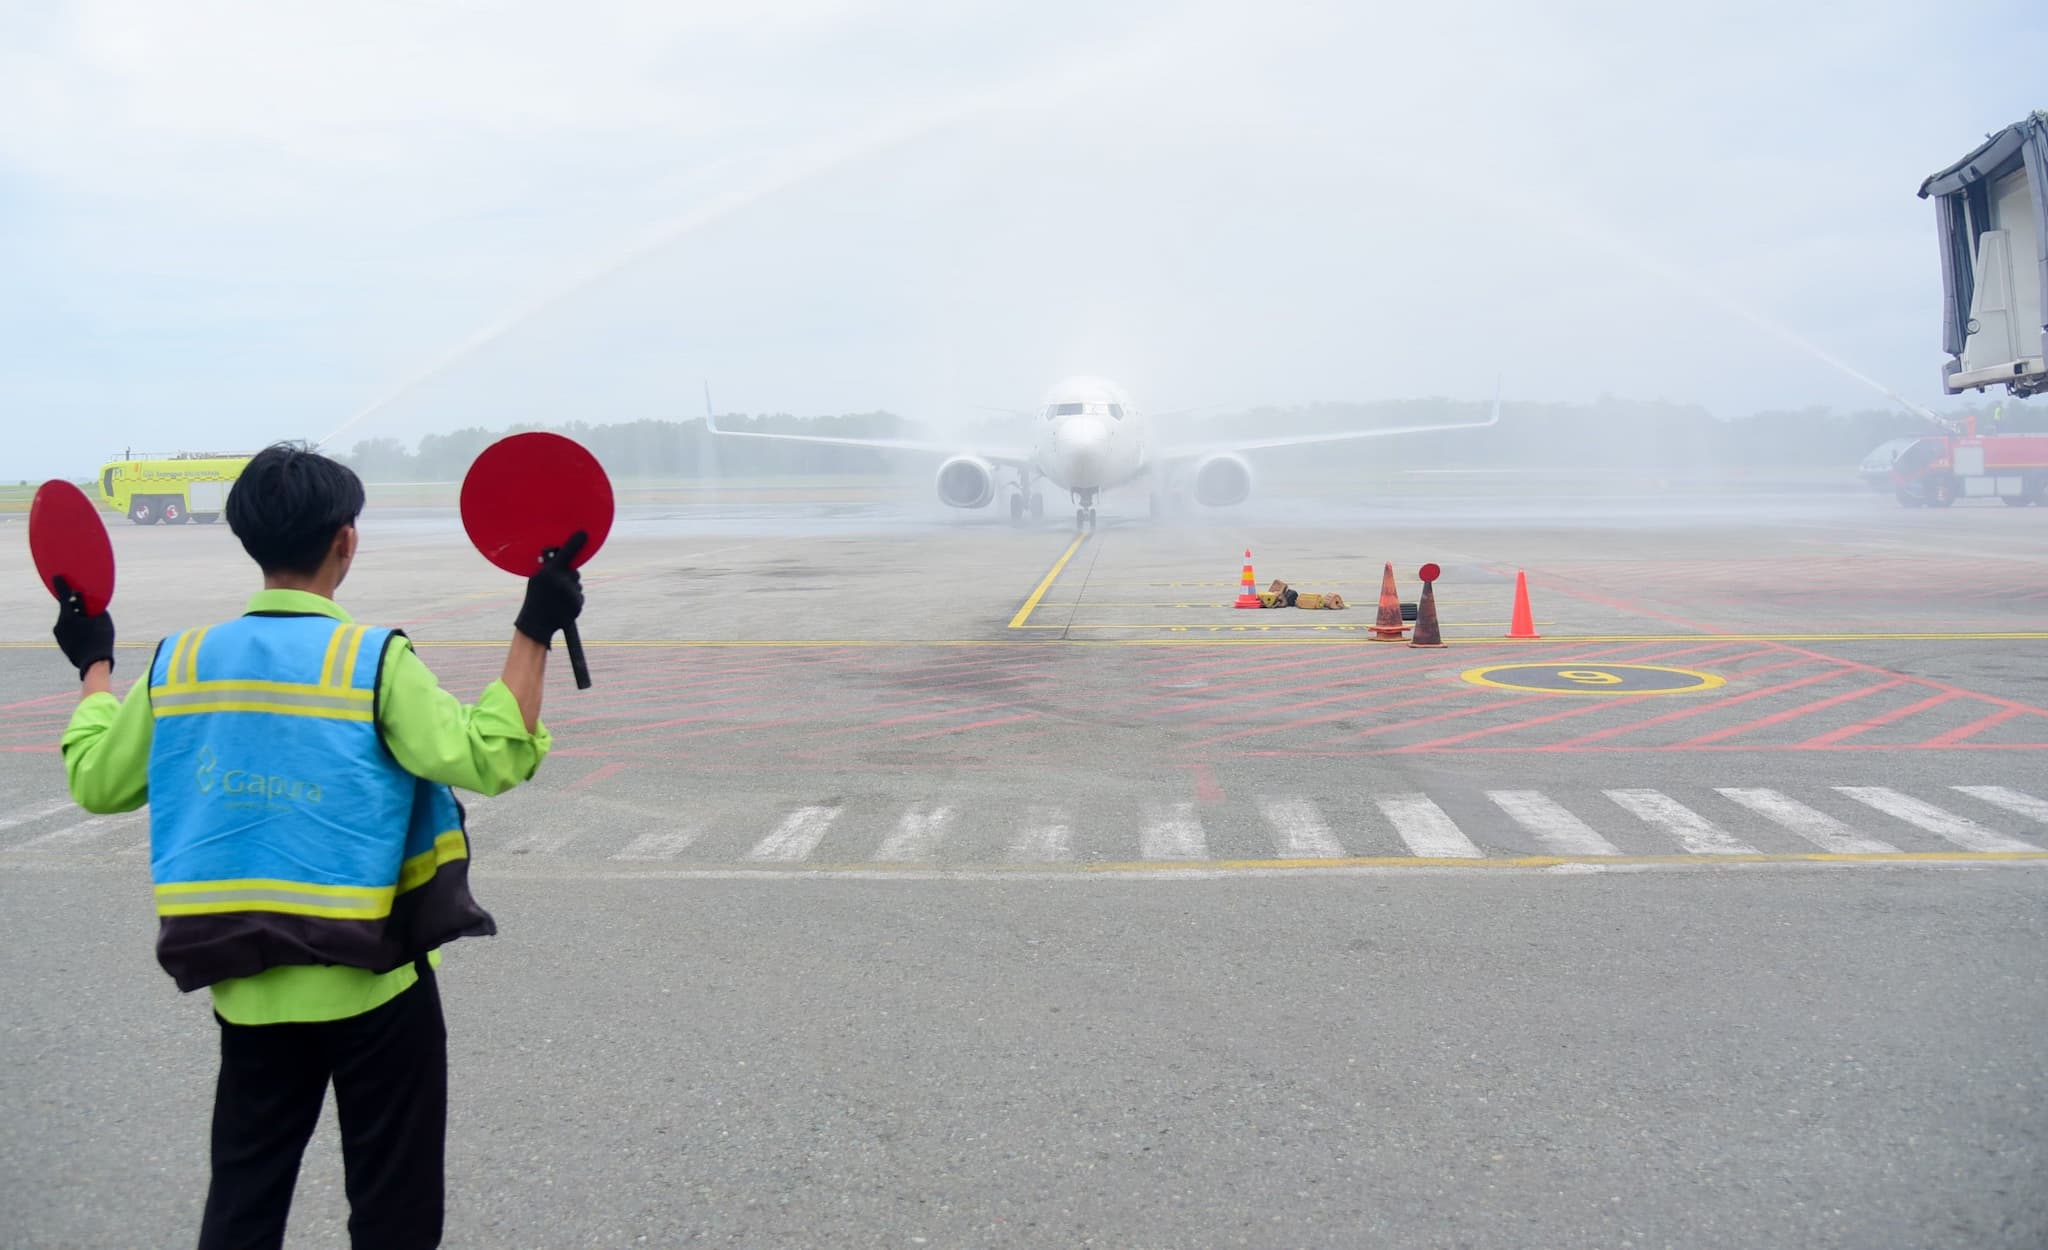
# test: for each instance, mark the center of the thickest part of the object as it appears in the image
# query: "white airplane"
(1091, 438)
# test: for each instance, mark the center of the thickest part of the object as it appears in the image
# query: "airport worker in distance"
(308, 853)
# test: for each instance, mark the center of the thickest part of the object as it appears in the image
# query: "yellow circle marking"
(1601, 679)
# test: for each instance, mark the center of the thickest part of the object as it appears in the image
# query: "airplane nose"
(1080, 444)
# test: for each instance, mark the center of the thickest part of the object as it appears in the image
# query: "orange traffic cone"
(1389, 627)
(1523, 623)
(1248, 588)
(1426, 632)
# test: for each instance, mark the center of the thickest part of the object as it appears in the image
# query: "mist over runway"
(909, 873)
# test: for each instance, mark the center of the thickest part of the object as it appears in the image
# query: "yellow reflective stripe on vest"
(346, 675)
(420, 869)
(192, 655)
(340, 665)
(338, 902)
(295, 898)
(280, 698)
(178, 649)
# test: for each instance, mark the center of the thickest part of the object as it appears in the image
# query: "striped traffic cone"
(1248, 588)
(1389, 627)
(1426, 632)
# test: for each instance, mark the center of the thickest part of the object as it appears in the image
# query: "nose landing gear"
(1084, 514)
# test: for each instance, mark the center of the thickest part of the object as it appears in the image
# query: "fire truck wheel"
(2016, 501)
(205, 518)
(174, 512)
(142, 511)
(1941, 492)
(1906, 500)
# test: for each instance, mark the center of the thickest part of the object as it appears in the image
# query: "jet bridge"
(1991, 211)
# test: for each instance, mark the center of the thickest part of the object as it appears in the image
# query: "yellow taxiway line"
(1059, 566)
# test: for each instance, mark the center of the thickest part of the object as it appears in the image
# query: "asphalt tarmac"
(917, 880)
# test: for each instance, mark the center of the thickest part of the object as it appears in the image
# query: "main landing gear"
(1025, 501)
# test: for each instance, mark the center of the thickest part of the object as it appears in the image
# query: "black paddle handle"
(574, 641)
(570, 636)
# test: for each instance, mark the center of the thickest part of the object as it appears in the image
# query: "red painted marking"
(1928, 682)
(1804, 709)
(716, 730)
(1207, 788)
(1569, 714)
(597, 775)
(71, 695)
(1499, 705)
(1723, 747)
(1302, 722)
(1322, 657)
(637, 727)
(1378, 691)
(1955, 737)
(1877, 722)
(1324, 680)
(1686, 713)
(961, 729)
(1536, 699)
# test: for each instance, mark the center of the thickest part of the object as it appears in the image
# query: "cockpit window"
(1117, 411)
(1067, 410)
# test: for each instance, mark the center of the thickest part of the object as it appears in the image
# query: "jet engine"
(967, 482)
(1221, 481)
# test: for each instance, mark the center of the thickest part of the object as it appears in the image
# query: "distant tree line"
(1638, 435)
(649, 448)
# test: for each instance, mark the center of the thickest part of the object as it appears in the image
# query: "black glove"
(86, 640)
(554, 594)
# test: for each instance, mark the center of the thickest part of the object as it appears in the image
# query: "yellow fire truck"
(172, 487)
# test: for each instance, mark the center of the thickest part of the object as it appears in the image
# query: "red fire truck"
(1936, 470)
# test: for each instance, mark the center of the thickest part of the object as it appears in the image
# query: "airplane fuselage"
(1090, 437)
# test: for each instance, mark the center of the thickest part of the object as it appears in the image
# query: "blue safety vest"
(282, 830)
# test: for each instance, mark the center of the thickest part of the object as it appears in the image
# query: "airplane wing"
(1009, 458)
(1343, 436)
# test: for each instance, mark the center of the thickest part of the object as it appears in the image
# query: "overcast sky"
(224, 223)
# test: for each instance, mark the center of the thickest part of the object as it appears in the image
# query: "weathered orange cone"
(1426, 632)
(1522, 624)
(1389, 627)
(1248, 588)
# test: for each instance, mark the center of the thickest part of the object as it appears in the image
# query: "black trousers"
(390, 1072)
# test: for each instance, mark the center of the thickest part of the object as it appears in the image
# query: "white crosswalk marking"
(1946, 825)
(1172, 832)
(917, 836)
(80, 834)
(33, 814)
(1045, 838)
(797, 836)
(658, 845)
(1299, 831)
(1558, 830)
(1425, 828)
(545, 841)
(1817, 827)
(2011, 800)
(1693, 831)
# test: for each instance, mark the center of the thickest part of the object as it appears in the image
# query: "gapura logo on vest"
(244, 788)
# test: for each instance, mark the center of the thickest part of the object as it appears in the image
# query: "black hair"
(289, 504)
